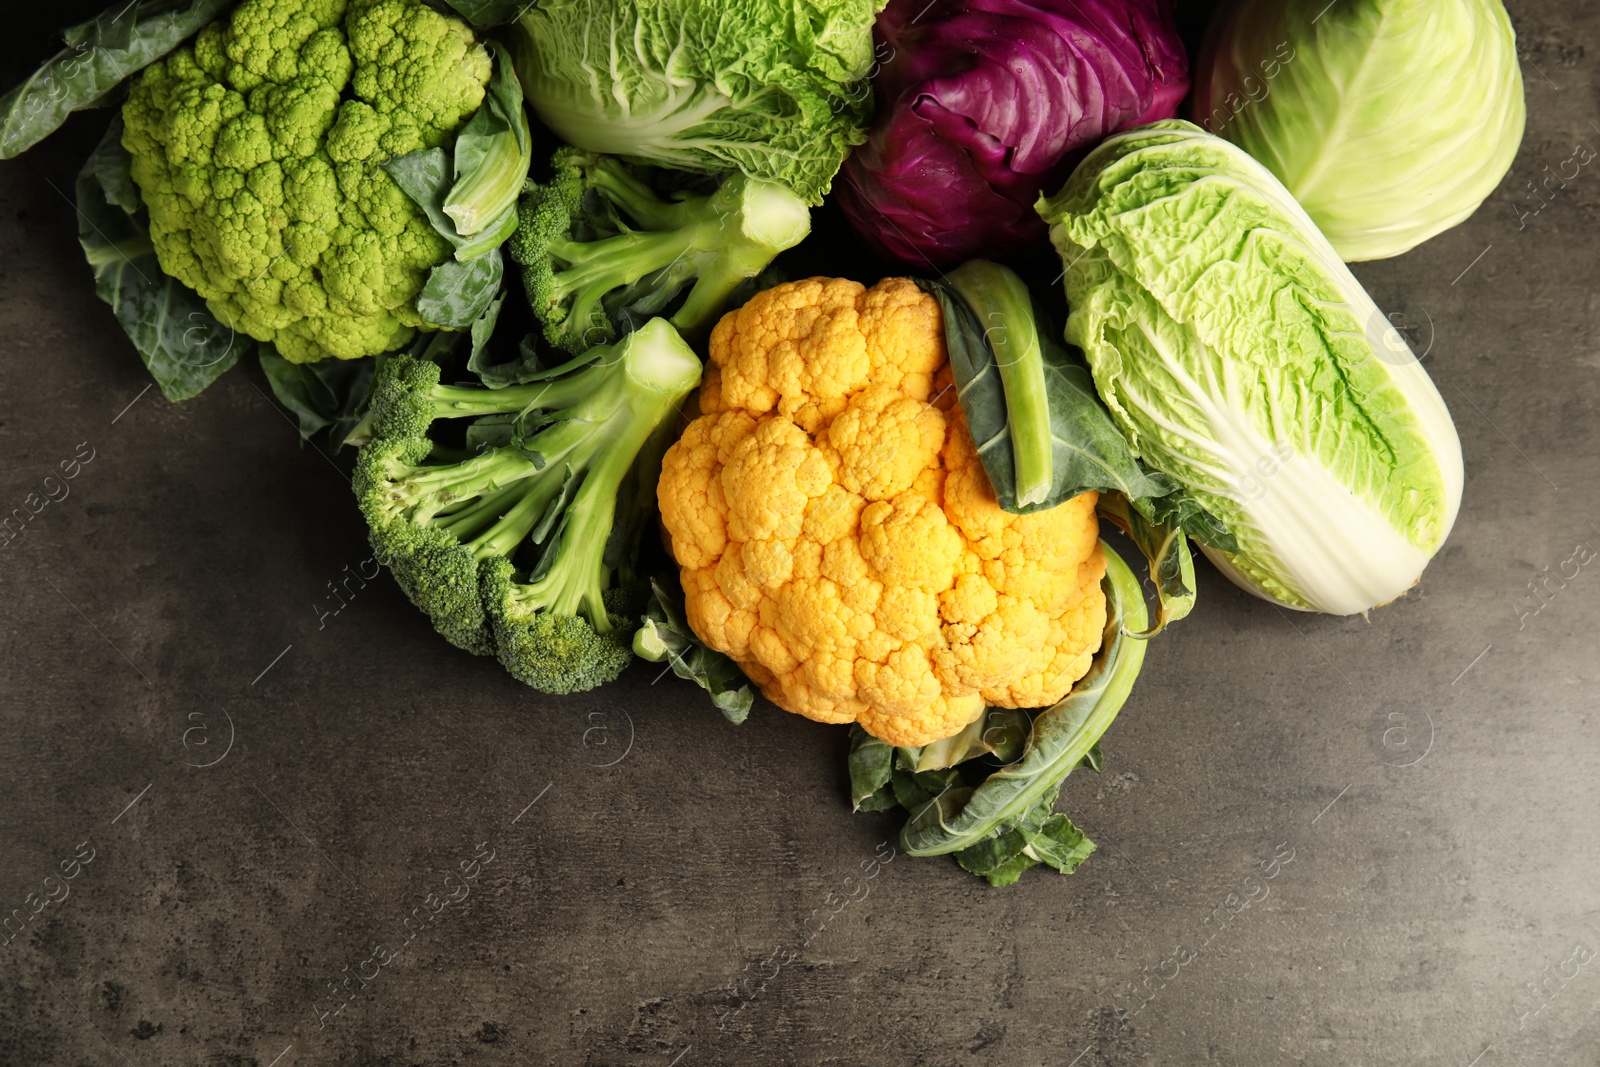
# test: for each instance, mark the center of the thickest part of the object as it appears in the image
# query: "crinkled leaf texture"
(984, 103)
(1240, 356)
(1389, 120)
(180, 341)
(773, 88)
(99, 55)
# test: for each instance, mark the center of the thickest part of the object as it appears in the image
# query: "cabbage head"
(1240, 356)
(774, 88)
(1389, 120)
(984, 104)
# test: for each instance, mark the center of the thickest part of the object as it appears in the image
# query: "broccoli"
(511, 547)
(601, 250)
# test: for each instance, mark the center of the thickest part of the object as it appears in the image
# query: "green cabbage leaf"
(774, 88)
(1389, 120)
(1240, 356)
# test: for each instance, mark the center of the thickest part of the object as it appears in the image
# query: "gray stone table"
(253, 795)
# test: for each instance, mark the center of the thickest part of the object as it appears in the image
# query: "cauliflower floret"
(839, 538)
(264, 183)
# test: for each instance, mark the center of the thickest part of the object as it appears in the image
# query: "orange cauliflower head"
(839, 538)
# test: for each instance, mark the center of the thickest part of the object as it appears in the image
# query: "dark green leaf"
(1180, 509)
(491, 431)
(665, 635)
(100, 55)
(457, 294)
(871, 764)
(525, 367)
(1088, 451)
(1000, 859)
(918, 789)
(180, 341)
(424, 176)
(1094, 759)
(331, 394)
(1039, 835)
(1166, 549)
(483, 329)
(489, 12)
(1060, 844)
(882, 800)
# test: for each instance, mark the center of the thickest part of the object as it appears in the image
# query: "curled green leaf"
(998, 732)
(1166, 550)
(1000, 302)
(492, 155)
(1087, 450)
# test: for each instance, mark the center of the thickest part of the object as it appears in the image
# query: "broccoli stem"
(1000, 300)
(636, 198)
(769, 219)
(508, 532)
(442, 486)
(718, 240)
(642, 389)
(467, 520)
(595, 267)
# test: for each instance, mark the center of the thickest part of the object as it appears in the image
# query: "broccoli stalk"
(492, 155)
(512, 550)
(601, 250)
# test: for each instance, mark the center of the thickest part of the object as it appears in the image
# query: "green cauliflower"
(258, 152)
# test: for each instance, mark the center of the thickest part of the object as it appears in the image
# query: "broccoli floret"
(601, 250)
(514, 549)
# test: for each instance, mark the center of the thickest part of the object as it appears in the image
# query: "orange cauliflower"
(838, 536)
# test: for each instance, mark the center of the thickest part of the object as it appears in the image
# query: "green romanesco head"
(258, 152)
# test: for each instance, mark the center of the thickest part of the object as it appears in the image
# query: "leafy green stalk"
(99, 55)
(1063, 736)
(471, 201)
(1003, 307)
(492, 155)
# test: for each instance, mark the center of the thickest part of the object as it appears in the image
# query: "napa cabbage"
(1241, 357)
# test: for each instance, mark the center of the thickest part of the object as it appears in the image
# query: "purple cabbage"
(983, 104)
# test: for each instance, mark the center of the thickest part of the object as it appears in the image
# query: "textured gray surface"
(1429, 774)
